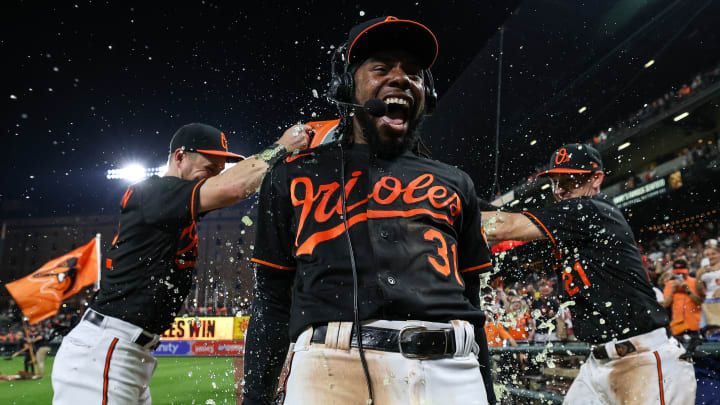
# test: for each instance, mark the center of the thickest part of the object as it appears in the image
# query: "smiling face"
(195, 165)
(712, 254)
(396, 78)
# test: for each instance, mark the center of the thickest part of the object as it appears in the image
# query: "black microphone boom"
(374, 106)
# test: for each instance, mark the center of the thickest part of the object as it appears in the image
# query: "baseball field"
(177, 380)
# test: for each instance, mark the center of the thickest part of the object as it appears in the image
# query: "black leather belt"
(622, 349)
(417, 342)
(144, 339)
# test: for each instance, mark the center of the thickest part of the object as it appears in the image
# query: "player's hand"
(296, 137)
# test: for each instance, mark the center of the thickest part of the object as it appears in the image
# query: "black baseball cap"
(386, 33)
(204, 139)
(574, 158)
(680, 266)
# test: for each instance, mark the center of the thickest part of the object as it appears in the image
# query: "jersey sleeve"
(566, 220)
(473, 251)
(170, 201)
(274, 237)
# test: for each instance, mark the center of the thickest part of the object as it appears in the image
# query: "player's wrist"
(272, 153)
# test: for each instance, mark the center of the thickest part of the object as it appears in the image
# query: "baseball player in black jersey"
(147, 275)
(408, 226)
(600, 271)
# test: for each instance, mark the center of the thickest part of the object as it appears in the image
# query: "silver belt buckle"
(418, 328)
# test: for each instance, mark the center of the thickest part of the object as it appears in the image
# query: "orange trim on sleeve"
(277, 266)
(482, 266)
(541, 225)
(108, 263)
(192, 199)
(659, 368)
(107, 370)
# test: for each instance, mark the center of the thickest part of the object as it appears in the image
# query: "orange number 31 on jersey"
(441, 263)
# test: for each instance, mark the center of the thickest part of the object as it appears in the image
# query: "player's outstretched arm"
(243, 179)
(501, 226)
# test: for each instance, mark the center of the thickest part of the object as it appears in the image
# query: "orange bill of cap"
(562, 170)
(220, 153)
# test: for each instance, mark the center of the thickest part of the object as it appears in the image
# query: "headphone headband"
(342, 85)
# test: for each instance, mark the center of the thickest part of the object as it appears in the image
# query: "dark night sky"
(90, 86)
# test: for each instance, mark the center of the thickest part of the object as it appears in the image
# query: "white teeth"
(395, 100)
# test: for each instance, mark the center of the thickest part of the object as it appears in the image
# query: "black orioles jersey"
(148, 270)
(600, 269)
(415, 231)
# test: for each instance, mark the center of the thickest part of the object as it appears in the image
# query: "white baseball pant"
(331, 373)
(654, 374)
(100, 365)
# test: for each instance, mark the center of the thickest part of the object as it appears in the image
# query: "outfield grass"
(177, 380)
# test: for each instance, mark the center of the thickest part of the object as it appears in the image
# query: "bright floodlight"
(650, 63)
(582, 110)
(514, 203)
(533, 142)
(623, 146)
(545, 186)
(134, 172)
(681, 116)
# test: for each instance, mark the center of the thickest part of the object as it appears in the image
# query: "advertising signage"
(206, 328)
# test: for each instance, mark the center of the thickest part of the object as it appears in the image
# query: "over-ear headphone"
(342, 84)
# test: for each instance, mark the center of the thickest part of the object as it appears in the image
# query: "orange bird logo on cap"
(562, 157)
(223, 140)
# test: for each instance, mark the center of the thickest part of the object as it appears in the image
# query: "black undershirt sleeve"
(267, 340)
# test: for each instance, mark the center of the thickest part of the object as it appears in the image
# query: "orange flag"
(39, 295)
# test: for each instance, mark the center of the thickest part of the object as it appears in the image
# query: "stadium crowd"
(663, 103)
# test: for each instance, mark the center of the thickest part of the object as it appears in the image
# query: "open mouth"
(398, 111)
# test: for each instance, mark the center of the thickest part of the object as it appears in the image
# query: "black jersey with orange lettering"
(148, 270)
(414, 226)
(600, 269)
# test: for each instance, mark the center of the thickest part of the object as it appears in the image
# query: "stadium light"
(545, 186)
(649, 63)
(681, 116)
(533, 142)
(623, 146)
(514, 203)
(582, 110)
(136, 172)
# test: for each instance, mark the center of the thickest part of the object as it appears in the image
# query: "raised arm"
(501, 226)
(243, 179)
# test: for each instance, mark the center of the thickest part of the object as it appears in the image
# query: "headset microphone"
(374, 106)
